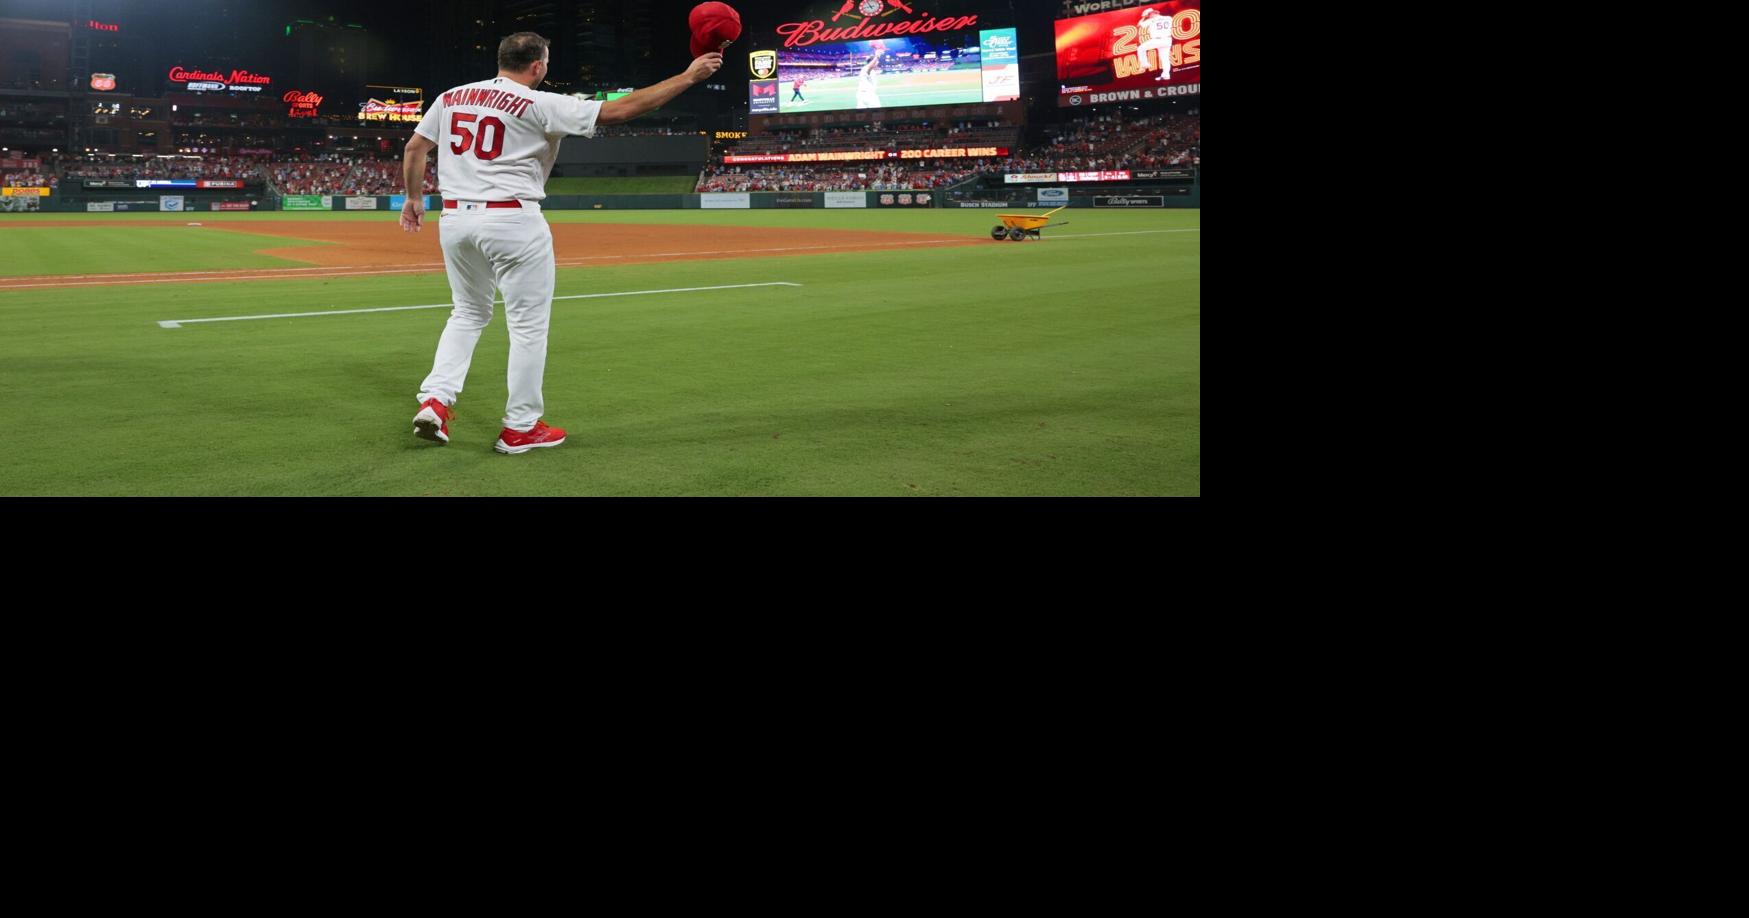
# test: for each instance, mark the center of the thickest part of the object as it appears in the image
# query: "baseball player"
(1158, 30)
(865, 86)
(496, 142)
(797, 90)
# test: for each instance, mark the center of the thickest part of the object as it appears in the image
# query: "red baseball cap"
(713, 25)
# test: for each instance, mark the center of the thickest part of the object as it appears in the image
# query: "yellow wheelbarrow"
(1020, 226)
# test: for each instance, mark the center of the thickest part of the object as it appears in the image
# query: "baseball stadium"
(890, 248)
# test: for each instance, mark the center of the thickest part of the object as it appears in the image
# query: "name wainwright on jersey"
(488, 98)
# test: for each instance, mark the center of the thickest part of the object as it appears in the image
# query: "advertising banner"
(398, 201)
(219, 183)
(107, 207)
(400, 104)
(171, 203)
(869, 155)
(108, 183)
(1102, 200)
(361, 203)
(21, 200)
(1147, 52)
(231, 205)
(302, 202)
(1053, 196)
(762, 97)
(1001, 60)
(904, 199)
(738, 201)
(1016, 178)
(794, 200)
(874, 59)
(218, 80)
(846, 199)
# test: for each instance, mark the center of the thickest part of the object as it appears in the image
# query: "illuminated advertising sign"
(862, 155)
(1120, 175)
(862, 20)
(103, 82)
(900, 71)
(762, 97)
(96, 26)
(219, 81)
(301, 104)
(1000, 50)
(401, 104)
(1146, 52)
(218, 183)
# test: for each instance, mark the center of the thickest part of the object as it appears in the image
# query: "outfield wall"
(1127, 195)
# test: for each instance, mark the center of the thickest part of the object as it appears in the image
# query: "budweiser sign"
(858, 21)
(303, 104)
(237, 77)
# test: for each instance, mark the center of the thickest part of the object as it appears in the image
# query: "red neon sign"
(179, 75)
(101, 26)
(871, 23)
(303, 104)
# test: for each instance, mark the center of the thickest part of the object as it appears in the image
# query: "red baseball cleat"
(432, 421)
(521, 441)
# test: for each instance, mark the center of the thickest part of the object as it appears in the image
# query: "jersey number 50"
(491, 135)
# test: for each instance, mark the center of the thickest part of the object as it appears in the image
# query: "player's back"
(497, 139)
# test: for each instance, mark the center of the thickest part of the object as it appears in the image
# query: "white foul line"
(178, 323)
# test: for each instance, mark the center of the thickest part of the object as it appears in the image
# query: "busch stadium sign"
(860, 20)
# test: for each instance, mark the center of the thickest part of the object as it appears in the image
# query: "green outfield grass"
(1065, 367)
(894, 89)
(683, 184)
(121, 250)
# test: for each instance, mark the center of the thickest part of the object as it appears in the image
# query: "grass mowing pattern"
(121, 250)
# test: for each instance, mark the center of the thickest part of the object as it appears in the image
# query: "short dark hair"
(518, 51)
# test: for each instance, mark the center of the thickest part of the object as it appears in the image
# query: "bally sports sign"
(860, 20)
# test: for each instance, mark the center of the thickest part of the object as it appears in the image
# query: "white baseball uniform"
(496, 143)
(865, 87)
(1159, 31)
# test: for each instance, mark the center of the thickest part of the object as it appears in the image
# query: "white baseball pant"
(488, 249)
(1164, 49)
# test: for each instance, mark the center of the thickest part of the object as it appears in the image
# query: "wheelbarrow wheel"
(1016, 233)
(999, 232)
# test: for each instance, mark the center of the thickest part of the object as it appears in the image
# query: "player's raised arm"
(650, 98)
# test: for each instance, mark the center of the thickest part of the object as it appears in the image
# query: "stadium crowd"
(384, 177)
(161, 167)
(29, 180)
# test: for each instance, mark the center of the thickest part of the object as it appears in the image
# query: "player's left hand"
(412, 215)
